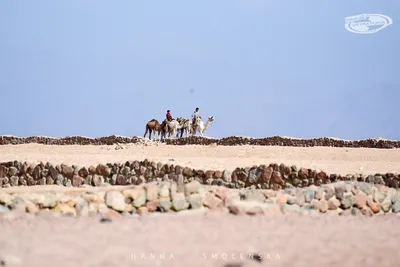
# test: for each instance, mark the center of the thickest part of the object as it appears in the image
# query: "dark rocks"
(274, 176)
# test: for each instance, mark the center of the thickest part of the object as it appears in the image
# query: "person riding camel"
(195, 116)
(169, 116)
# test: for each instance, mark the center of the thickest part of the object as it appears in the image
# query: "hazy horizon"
(261, 68)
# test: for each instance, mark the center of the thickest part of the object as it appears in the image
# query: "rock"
(340, 189)
(375, 207)
(386, 203)
(179, 202)
(77, 181)
(356, 212)
(4, 209)
(152, 192)
(212, 202)
(323, 206)
(31, 208)
(164, 204)
(164, 191)
(82, 208)
(152, 205)
(67, 171)
(253, 208)
(14, 180)
(192, 187)
(281, 199)
(347, 201)
(65, 209)
(103, 170)
(396, 206)
(378, 196)
(308, 195)
(333, 203)
(5, 199)
(115, 200)
(142, 210)
(329, 192)
(300, 198)
(137, 194)
(366, 188)
(196, 201)
(361, 200)
(319, 193)
(291, 200)
(277, 178)
(395, 198)
(222, 192)
(227, 176)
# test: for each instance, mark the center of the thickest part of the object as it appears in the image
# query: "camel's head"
(211, 118)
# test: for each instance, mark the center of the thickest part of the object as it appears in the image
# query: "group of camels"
(176, 126)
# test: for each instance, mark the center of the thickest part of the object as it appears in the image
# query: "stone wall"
(272, 176)
(342, 198)
(227, 141)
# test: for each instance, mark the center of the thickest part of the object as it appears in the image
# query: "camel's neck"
(207, 124)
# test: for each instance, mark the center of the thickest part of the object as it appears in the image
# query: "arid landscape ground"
(202, 238)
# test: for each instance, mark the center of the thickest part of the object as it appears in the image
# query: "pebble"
(308, 195)
(115, 200)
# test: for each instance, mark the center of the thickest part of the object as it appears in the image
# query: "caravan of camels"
(176, 127)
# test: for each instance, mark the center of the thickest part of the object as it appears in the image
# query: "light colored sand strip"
(329, 159)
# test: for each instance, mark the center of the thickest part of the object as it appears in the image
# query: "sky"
(261, 68)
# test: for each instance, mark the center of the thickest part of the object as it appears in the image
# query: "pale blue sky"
(260, 67)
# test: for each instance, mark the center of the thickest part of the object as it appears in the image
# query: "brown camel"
(153, 126)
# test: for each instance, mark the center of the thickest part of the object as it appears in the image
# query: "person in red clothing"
(169, 116)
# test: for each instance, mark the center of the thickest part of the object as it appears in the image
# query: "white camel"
(186, 126)
(172, 127)
(200, 127)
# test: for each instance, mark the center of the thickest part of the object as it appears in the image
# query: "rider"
(169, 116)
(195, 115)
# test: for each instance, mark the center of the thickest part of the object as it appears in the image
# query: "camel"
(186, 127)
(172, 127)
(153, 126)
(200, 127)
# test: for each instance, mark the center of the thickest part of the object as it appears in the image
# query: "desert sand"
(195, 239)
(329, 159)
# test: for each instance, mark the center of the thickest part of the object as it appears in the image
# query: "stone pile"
(272, 176)
(196, 140)
(341, 198)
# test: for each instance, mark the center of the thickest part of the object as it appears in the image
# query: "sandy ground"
(195, 240)
(198, 240)
(332, 160)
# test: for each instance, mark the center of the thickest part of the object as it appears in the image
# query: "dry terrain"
(332, 160)
(192, 239)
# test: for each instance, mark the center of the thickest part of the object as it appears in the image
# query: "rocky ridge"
(196, 140)
(341, 198)
(273, 176)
